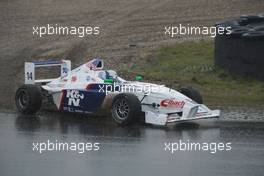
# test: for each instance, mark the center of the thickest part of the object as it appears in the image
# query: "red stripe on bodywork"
(62, 99)
(89, 86)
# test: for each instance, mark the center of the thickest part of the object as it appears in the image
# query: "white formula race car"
(88, 88)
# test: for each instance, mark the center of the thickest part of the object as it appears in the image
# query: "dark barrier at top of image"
(242, 51)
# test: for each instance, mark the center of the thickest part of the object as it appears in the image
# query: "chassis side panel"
(81, 101)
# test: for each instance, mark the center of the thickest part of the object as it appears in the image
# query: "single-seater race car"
(87, 88)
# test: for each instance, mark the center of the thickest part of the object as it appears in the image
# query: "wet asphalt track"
(136, 150)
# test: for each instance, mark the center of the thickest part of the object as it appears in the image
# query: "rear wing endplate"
(30, 67)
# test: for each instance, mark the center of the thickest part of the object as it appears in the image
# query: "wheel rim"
(23, 99)
(121, 109)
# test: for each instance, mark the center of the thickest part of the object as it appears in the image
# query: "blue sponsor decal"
(82, 101)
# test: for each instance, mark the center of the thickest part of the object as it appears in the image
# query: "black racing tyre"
(238, 32)
(126, 108)
(231, 23)
(241, 52)
(253, 18)
(192, 94)
(28, 99)
(259, 28)
(258, 35)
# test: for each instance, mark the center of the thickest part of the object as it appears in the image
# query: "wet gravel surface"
(243, 113)
(134, 150)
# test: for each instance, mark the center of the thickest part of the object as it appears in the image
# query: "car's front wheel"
(28, 99)
(192, 94)
(125, 108)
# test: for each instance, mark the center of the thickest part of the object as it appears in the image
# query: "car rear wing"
(65, 66)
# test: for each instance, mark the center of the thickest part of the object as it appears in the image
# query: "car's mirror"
(138, 78)
(109, 81)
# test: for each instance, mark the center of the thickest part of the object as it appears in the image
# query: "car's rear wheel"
(28, 99)
(125, 108)
(192, 94)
